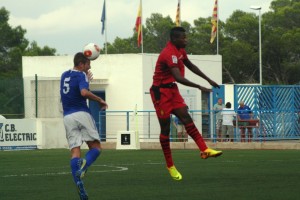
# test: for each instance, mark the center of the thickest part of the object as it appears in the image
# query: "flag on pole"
(103, 18)
(214, 22)
(177, 21)
(138, 26)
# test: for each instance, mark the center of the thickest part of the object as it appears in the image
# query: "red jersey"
(169, 57)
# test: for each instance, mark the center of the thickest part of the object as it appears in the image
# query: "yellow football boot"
(210, 153)
(174, 173)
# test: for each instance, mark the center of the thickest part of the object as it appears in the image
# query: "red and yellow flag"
(177, 21)
(138, 26)
(214, 22)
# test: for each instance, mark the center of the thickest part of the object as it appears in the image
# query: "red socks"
(165, 145)
(165, 142)
(192, 130)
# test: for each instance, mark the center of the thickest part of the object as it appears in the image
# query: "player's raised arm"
(197, 71)
(182, 80)
(89, 95)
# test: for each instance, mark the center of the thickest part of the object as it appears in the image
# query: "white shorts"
(80, 127)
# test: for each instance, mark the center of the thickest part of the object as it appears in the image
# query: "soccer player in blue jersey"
(78, 121)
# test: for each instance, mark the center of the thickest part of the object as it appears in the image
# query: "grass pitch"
(141, 175)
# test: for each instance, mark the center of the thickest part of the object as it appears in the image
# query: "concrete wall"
(125, 78)
(51, 133)
(117, 76)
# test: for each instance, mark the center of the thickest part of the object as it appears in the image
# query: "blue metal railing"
(273, 125)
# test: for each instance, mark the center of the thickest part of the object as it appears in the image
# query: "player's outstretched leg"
(174, 173)
(210, 153)
(165, 145)
(205, 152)
(192, 130)
(76, 164)
(90, 157)
(82, 169)
(81, 191)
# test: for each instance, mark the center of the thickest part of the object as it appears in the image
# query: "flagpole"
(139, 27)
(215, 23)
(104, 28)
(218, 27)
(141, 3)
(105, 22)
(179, 2)
(178, 14)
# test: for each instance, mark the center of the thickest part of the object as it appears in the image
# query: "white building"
(123, 79)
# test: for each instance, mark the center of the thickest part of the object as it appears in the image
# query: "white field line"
(114, 169)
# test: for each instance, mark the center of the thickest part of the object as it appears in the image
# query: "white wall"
(229, 94)
(125, 78)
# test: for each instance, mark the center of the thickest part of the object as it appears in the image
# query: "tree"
(156, 32)
(13, 45)
(281, 44)
(199, 37)
(34, 50)
(155, 37)
(238, 43)
(240, 50)
(120, 46)
(239, 63)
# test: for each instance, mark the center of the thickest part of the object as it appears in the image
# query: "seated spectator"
(244, 113)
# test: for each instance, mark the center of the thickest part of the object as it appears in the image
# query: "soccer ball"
(91, 51)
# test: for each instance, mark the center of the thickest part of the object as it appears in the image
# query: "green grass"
(141, 175)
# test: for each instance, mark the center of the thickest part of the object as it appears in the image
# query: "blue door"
(100, 117)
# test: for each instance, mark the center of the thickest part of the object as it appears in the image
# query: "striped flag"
(214, 22)
(103, 18)
(138, 26)
(177, 21)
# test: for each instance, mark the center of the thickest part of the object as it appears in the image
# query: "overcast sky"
(67, 25)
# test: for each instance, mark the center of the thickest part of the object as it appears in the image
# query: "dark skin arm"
(197, 71)
(180, 79)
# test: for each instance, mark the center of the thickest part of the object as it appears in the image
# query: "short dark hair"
(176, 32)
(79, 58)
(228, 105)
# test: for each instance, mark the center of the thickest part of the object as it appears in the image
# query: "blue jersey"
(71, 83)
(244, 112)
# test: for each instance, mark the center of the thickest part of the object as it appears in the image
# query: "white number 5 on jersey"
(66, 85)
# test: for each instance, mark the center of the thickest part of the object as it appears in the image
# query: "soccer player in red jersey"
(167, 100)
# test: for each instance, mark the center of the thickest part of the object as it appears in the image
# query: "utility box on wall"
(127, 140)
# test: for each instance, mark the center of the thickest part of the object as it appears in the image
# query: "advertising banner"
(17, 134)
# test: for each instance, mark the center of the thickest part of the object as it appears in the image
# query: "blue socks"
(91, 156)
(74, 168)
